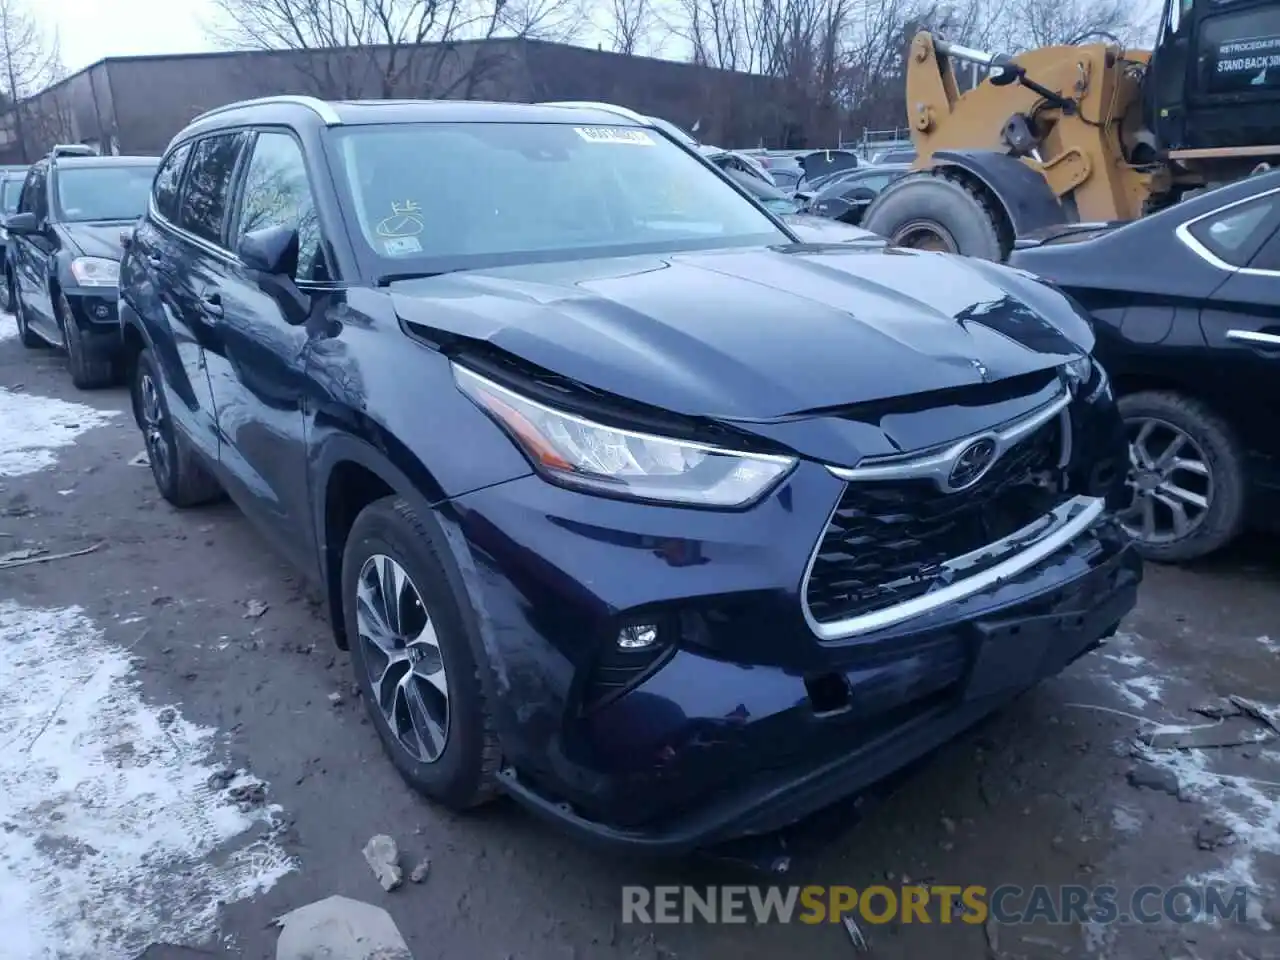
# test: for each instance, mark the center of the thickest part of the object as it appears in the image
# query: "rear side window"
(168, 179)
(203, 208)
(1234, 235)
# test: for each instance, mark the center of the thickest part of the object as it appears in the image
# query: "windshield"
(103, 192)
(438, 196)
(10, 191)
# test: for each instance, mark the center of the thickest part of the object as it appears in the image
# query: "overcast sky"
(92, 29)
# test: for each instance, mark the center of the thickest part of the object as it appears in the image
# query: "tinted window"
(509, 192)
(33, 199)
(1235, 234)
(277, 193)
(204, 193)
(103, 192)
(9, 194)
(168, 179)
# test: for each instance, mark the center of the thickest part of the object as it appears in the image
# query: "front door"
(257, 360)
(33, 255)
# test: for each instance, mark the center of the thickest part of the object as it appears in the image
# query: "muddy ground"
(202, 770)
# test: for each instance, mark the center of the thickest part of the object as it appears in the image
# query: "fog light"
(102, 311)
(640, 636)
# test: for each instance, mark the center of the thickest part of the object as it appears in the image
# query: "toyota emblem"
(971, 463)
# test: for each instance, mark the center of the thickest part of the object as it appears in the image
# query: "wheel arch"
(349, 472)
(1015, 189)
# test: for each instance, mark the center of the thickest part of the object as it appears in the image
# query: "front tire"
(87, 372)
(412, 658)
(179, 475)
(1186, 476)
(934, 210)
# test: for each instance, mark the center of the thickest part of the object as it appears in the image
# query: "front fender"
(1023, 194)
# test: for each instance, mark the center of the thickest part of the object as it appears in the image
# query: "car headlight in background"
(574, 452)
(95, 272)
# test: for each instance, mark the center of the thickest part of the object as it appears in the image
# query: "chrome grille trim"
(1024, 548)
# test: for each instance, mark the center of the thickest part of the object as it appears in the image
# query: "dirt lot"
(183, 758)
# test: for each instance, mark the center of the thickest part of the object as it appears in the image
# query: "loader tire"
(937, 210)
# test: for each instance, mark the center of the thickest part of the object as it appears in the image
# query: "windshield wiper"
(386, 279)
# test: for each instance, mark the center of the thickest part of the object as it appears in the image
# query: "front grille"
(888, 539)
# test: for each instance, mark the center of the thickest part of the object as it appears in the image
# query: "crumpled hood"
(98, 239)
(759, 333)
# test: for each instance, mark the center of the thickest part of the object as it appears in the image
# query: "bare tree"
(29, 60)
(391, 48)
(629, 25)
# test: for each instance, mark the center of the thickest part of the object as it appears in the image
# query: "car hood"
(760, 333)
(98, 239)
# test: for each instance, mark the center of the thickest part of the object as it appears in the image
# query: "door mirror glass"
(271, 250)
(22, 224)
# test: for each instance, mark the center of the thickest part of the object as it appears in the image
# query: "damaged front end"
(683, 671)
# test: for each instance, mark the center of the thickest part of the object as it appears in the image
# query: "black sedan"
(1186, 306)
(626, 503)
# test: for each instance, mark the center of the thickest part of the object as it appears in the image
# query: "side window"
(277, 193)
(34, 199)
(168, 179)
(1235, 234)
(204, 195)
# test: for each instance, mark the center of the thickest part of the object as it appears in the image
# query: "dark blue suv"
(626, 502)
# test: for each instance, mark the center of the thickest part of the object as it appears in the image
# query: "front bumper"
(95, 311)
(748, 721)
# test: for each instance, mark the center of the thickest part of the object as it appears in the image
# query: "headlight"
(578, 453)
(95, 272)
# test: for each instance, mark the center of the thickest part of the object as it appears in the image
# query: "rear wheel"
(25, 334)
(1186, 477)
(934, 210)
(179, 475)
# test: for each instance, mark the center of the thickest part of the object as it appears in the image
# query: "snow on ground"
(33, 428)
(8, 326)
(116, 830)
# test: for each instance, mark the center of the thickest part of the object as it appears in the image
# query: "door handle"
(1256, 338)
(211, 304)
(155, 261)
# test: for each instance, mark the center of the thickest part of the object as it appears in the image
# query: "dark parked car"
(66, 242)
(806, 227)
(1185, 308)
(847, 198)
(625, 503)
(11, 179)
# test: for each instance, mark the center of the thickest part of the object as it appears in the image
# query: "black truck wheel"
(936, 210)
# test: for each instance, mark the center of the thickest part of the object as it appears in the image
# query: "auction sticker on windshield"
(635, 138)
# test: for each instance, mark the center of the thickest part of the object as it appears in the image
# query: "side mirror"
(860, 195)
(271, 250)
(22, 224)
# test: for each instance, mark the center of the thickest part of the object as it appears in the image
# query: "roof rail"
(598, 105)
(72, 150)
(321, 109)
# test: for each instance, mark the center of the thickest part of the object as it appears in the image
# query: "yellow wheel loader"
(1085, 133)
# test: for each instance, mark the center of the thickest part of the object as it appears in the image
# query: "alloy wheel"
(1169, 479)
(405, 667)
(153, 427)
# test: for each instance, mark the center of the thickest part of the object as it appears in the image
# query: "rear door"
(159, 257)
(1241, 319)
